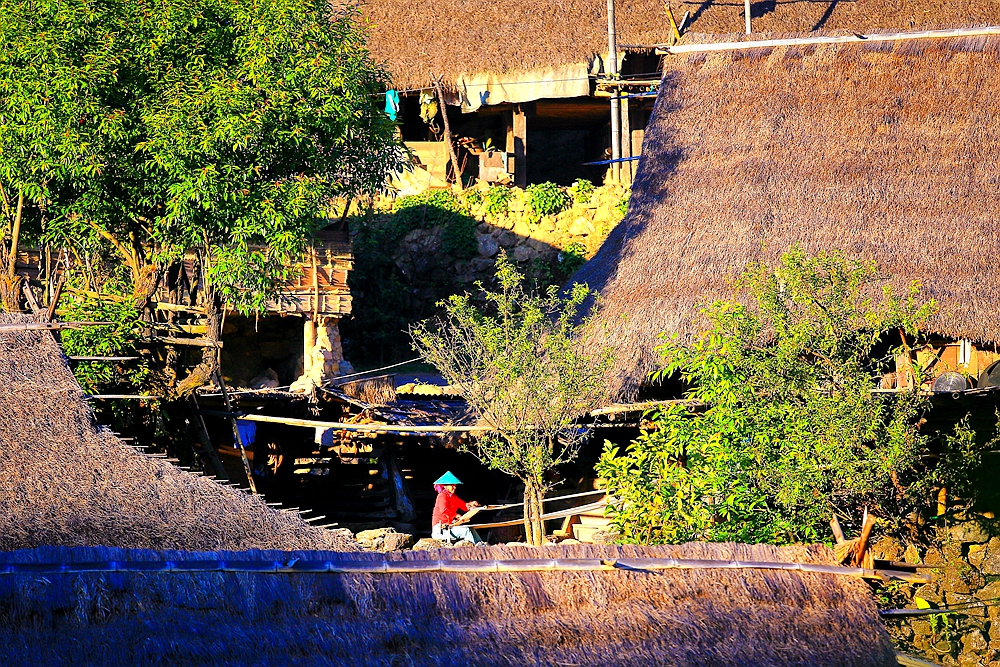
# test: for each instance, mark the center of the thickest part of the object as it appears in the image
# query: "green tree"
(783, 429)
(523, 374)
(151, 132)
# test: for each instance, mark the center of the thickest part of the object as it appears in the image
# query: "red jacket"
(445, 508)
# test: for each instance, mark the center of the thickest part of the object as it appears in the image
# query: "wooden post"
(447, 133)
(612, 72)
(520, 128)
(308, 345)
(627, 168)
(746, 14)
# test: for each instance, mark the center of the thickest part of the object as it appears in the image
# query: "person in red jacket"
(446, 507)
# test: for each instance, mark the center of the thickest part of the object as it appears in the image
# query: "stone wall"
(410, 253)
(532, 241)
(966, 560)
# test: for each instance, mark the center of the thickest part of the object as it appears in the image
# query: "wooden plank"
(520, 133)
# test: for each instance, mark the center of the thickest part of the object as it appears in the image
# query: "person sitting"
(446, 507)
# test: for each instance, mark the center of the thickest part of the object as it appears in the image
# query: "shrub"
(581, 190)
(498, 200)
(788, 431)
(622, 205)
(546, 198)
(572, 258)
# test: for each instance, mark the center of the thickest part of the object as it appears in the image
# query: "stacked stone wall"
(965, 562)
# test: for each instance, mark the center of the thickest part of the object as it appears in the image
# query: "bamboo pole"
(51, 326)
(296, 566)
(370, 428)
(667, 49)
(14, 236)
(746, 15)
(236, 433)
(612, 70)
(561, 514)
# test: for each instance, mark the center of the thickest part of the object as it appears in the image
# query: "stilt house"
(528, 85)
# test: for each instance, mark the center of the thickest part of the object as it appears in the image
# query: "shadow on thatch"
(683, 618)
(66, 481)
(857, 147)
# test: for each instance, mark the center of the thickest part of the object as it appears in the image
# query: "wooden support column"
(746, 14)
(628, 168)
(308, 345)
(520, 132)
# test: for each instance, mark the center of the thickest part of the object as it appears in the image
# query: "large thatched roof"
(887, 152)
(65, 481)
(682, 618)
(416, 38)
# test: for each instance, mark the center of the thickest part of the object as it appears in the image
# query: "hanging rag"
(428, 107)
(392, 104)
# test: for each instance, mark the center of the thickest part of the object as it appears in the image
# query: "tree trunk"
(534, 528)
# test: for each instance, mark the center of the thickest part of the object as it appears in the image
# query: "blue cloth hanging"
(392, 104)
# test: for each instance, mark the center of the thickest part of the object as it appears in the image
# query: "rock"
(953, 598)
(521, 228)
(463, 543)
(346, 368)
(570, 540)
(266, 380)
(426, 544)
(952, 582)
(523, 253)
(579, 227)
(888, 548)
(990, 591)
(929, 592)
(977, 553)
(488, 246)
(537, 244)
(482, 265)
(934, 556)
(911, 555)
(603, 537)
(384, 539)
(974, 642)
(968, 660)
(969, 531)
(484, 228)
(990, 564)
(507, 239)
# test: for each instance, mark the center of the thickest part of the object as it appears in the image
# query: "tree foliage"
(521, 370)
(147, 130)
(787, 430)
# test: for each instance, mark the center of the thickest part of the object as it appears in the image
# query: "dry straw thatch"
(885, 151)
(418, 37)
(682, 618)
(64, 481)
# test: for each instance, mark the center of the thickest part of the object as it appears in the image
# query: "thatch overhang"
(886, 151)
(65, 481)
(532, 41)
(619, 618)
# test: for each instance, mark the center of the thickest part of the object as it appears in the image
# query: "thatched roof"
(887, 152)
(418, 37)
(66, 481)
(681, 618)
